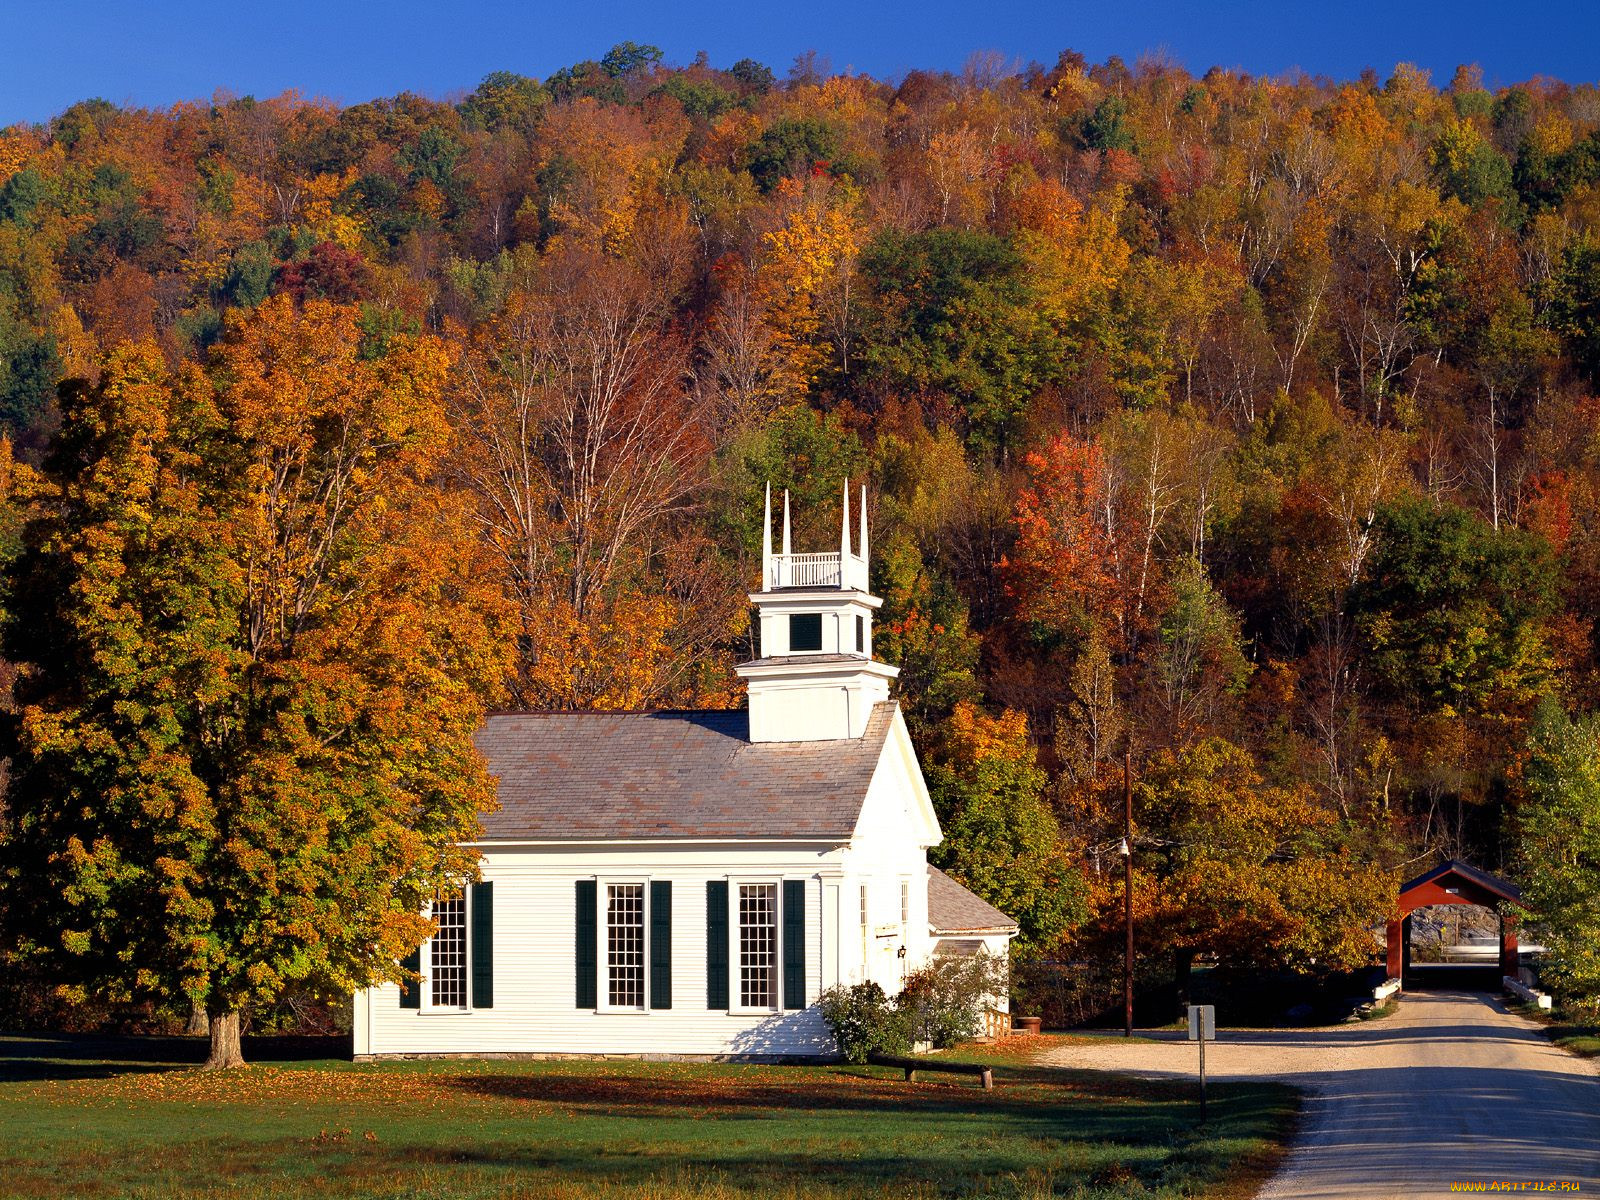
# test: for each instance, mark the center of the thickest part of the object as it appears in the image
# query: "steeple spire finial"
(766, 540)
(863, 547)
(786, 550)
(844, 528)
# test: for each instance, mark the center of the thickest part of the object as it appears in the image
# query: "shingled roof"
(953, 909)
(602, 776)
(1503, 888)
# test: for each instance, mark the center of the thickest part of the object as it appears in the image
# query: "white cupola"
(816, 678)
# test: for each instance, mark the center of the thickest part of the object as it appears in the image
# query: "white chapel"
(689, 883)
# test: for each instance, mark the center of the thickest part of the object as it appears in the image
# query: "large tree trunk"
(199, 1023)
(225, 1049)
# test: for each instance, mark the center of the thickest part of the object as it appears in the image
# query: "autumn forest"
(1244, 430)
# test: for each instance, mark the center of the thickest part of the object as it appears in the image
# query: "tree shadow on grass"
(640, 1095)
(1025, 1102)
(40, 1057)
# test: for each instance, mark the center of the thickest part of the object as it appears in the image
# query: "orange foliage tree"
(1064, 570)
(1255, 873)
(254, 643)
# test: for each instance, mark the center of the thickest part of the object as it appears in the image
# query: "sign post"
(1202, 1029)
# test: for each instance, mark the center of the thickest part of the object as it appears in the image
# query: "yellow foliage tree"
(807, 279)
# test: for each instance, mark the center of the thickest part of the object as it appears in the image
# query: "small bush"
(865, 1021)
(942, 1004)
(945, 1001)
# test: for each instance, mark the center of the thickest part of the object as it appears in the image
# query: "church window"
(905, 903)
(805, 631)
(861, 634)
(758, 945)
(625, 945)
(453, 970)
(447, 952)
(863, 904)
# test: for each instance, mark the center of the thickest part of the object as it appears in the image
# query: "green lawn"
(96, 1118)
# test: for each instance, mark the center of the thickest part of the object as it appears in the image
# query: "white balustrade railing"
(805, 570)
(817, 571)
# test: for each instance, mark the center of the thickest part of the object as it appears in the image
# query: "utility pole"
(1127, 889)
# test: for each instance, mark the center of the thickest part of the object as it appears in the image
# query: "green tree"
(252, 652)
(630, 58)
(754, 77)
(793, 144)
(1452, 612)
(921, 486)
(249, 275)
(21, 195)
(1545, 180)
(1001, 839)
(952, 314)
(1106, 126)
(922, 630)
(1473, 171)
(29, 369)
(700, 98)
(505, 100)
(1557, 838)
(801, 451)
(1199, 662)
(1576, 310)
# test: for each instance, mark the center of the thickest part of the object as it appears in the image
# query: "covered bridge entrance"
(1454, 882)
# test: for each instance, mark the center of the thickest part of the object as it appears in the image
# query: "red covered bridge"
(1454, 882)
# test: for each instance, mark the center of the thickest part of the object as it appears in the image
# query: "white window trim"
(425, 965)
(735, 965)
(602, 957)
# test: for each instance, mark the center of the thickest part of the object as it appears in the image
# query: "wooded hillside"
(1247, 423)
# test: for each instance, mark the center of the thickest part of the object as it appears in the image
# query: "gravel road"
(1451, 1088)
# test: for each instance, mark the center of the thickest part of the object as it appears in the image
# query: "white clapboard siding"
(534, 973)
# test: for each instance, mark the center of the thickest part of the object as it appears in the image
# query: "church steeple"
(815, 678)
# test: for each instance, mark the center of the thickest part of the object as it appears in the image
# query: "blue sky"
(155, 52)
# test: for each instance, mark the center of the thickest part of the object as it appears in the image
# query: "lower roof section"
(952, 909)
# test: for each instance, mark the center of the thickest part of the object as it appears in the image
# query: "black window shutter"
(411, 989)
(660, 943)
(717, 943)
(794, 943)
(588, 935)
(482, 949)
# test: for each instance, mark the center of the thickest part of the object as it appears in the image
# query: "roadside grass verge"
(116, 1121)
(1383, 1008)
(1571, 1031)
(1580, 1038)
